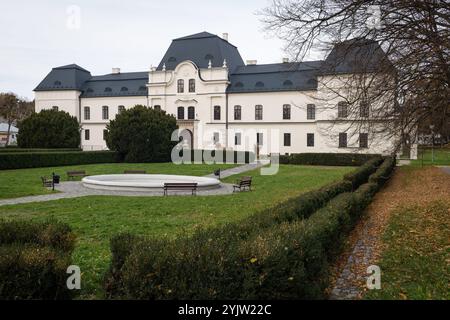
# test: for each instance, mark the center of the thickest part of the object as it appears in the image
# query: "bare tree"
(13, 109)
(406, 89)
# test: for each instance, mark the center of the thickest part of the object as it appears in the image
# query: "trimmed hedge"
(224, 156)
(33, 260)
(361, 175)
(20, 150)
(283, 257)
(327, 159)
(51, 159)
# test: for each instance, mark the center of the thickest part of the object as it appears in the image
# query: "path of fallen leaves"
(408, 186)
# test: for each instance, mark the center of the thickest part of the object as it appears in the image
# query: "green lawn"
(415, 263)
(96, 219)
(27, 182)
(441, 157)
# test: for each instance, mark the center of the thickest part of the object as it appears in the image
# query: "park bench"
(134, 172)
(74, 174)
(243, 184)
(180, 187)
(47, 182)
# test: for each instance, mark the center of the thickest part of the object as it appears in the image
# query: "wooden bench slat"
(180, 187)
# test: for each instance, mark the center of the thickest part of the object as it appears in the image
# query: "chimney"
(285, 60)
(225, 36)
(115, 70)
(252, 62)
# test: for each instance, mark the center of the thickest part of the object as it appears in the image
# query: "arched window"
(287, 83)
(237, 112)
(180, 86)
(342, 109)
(259, 84)
(121, 109)
(191, 85)
(180, 113)
(87, 113)
(216, 112)
(286, 112)
(191, 113)
(108, 89)
(105, 112)
(258, 112)
(310, 112)
(124, 89)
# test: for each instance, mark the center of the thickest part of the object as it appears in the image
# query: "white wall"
(65, 100)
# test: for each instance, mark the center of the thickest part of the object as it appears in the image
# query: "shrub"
(384, 172)
(282, 253)
(50, 159)
(327, 159)
(361, 175)
(19, 150)
(220, 156)
(33, 272)
(49, 129)
(142, 134)
(33, 260)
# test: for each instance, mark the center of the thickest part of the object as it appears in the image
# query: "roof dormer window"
(108, 89)
(209, 57)
(239, 85)
(124, 89)
(172, 59)
(259, 84)
(57, 83)
(287, 83)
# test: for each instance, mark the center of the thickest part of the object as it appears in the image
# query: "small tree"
(142, 134)
(49, 129)
(13, 109)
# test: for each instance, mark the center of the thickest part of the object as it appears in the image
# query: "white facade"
(208, 113)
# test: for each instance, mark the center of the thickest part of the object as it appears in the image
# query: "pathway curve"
(75, 189)
(420, 186)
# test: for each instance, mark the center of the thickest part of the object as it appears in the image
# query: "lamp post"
(432, 143)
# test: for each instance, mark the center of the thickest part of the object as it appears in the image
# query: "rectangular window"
(216, 137)
(121, 109)
(87, 134)
(180, 113)
(105, 133)
(157, 107)
(363, 140)
(286, 112)
(87, 113)
(191, 85)
(180, 86)
(343, 140)
(287, 139)
(364, 109)
(342, 109)
(237, 112)
(216, 112)
(237, 139)
(258, 112)
(55, 108)
(310, 139)
(311, 112)
(191, 113)
(259, 139)
(105, 113)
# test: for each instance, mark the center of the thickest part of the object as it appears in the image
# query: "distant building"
(220, 101)
(4, 134)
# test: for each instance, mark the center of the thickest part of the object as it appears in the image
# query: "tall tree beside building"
(414, 34)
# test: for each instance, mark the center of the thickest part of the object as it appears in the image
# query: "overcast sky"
(36, 36)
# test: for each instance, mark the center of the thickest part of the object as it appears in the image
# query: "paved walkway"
(75, 189)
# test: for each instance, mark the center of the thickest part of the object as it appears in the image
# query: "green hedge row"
(361, 175)
(33, 260)
(220, 156)
(285, 256)
(50, 159)
(326, 159)
(20, 150)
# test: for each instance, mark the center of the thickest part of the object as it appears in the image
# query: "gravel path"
(75, 189)
(365, 243)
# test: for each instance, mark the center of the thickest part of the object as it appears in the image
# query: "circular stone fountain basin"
(145, 182)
